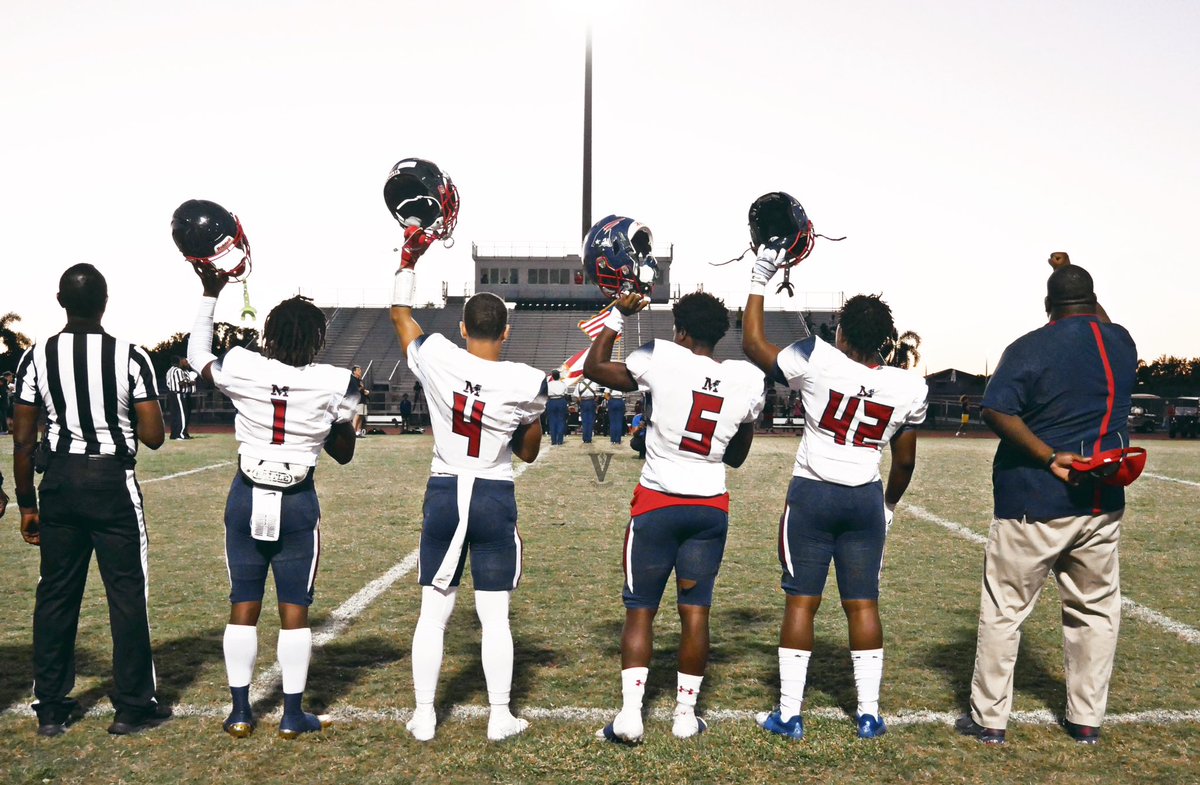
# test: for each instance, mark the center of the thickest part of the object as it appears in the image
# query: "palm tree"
(14, 342)
(906, 350)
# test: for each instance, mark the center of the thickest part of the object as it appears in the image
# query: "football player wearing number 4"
(836, 506)
(482, 411)
(288, 409)
(704, 414)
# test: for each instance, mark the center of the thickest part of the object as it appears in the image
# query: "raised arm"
(758, 349)
(598, 365)
(199, 351)
(404, 288)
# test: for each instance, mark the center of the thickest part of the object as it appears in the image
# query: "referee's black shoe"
(127, 723)
(53, 720)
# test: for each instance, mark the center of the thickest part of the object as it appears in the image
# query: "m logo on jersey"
(601, 468)
(863, 392)
(278, 392)
(472, 389)
(710, 384)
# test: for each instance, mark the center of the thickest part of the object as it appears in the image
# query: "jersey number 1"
(472, 426)
(701, 403)
(280, 406)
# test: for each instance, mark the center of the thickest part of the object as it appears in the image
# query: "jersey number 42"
(871, 423)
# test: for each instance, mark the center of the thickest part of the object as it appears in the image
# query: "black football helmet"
(207, 233)
(617, 256)
(778, 221)
(419, 194)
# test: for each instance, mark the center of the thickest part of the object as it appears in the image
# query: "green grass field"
(567, 617)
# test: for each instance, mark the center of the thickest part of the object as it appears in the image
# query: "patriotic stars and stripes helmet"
(208, 234)
(617, 256)
(778, 221)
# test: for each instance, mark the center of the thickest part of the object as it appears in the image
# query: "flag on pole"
(592, 327)
(572, 367)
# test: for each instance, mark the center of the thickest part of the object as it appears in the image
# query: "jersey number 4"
(874, 421)
(701, 403)
(471, 425)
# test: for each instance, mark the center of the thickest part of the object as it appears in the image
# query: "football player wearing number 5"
(703, 420)
(836, 506)
(288, 410)
(482, 411)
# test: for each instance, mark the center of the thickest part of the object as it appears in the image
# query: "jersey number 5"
(873, 428)
(469, 426)
(701, 403)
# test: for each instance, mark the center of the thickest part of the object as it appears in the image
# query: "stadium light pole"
(587, 136)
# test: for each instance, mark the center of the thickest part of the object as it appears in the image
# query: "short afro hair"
(294, 332)
(82, 291)
(866, 323)
(485, 316)
(702, 316)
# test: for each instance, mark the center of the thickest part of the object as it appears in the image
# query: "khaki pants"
(1082, 552)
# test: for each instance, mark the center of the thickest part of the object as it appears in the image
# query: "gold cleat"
(239, 730)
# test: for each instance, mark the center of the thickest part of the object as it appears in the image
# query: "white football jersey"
(697, 405)
(850, 410)
(284, 413)
(475, 406)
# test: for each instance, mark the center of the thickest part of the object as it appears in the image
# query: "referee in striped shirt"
(100, 399)
(181, 382)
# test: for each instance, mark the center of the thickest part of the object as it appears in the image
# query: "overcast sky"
(955, 144)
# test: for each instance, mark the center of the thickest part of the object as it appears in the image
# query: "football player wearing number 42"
(482, 411)
(836, 506)
(288, 409)
(703, 419)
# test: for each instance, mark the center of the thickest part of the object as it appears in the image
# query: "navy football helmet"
(419, 194)
(778, 221)
(617, 256)
(207, 233)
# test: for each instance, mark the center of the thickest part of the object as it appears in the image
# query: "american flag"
(592, 327)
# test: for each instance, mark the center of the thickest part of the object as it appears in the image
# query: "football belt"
(272, 473)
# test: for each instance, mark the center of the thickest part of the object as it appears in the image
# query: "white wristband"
(759, 288)
(615, 321)
(404, 290)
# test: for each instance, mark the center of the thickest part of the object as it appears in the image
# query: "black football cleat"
(239, 724)
(292, 726)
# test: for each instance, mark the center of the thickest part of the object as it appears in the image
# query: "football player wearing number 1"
(288, 409)
(482, 411)
(704, 414)
(836, 506)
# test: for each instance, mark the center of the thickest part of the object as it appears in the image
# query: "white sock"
(688, 691)
(793, 672)
(241, 649)
(496, 645)
(633, 688)
(868, 673)
(294, 652)
(436, 607)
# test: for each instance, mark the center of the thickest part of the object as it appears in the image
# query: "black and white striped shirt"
(180, 380)
(88, 384)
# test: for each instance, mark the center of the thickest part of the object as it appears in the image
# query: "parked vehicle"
(1147, 413)
(1184, 418)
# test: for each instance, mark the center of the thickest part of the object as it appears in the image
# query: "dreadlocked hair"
(294, 332)
(701, 316)
(867, 325)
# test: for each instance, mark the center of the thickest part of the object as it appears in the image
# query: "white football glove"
(766, 265)
(889, 514)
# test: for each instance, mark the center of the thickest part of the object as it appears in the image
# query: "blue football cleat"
(870, 726)
(792, 728)
(292, 725)
(239, 724)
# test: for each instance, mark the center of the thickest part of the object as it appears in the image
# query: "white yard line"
(185, 474)
(1165, 478)
(1134, 609)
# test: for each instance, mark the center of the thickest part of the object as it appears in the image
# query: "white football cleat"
(687, 725)
(504, 725)
(423, 725)
(626, 728)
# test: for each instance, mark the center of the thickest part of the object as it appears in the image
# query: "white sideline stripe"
(185, 474)
(1134, 609)
(600, 716)
(1171, 479)
(348, 611)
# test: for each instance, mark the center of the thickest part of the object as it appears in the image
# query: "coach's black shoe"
(54, 719)
(127, 723)
(1084, 734)
(967, 726)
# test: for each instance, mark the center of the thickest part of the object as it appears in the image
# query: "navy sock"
(292, 703)
(241, 698)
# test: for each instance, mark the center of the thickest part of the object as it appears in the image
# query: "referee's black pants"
(177, 404)
(92, 504)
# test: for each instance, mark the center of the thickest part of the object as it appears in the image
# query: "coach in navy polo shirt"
(1059, 393)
